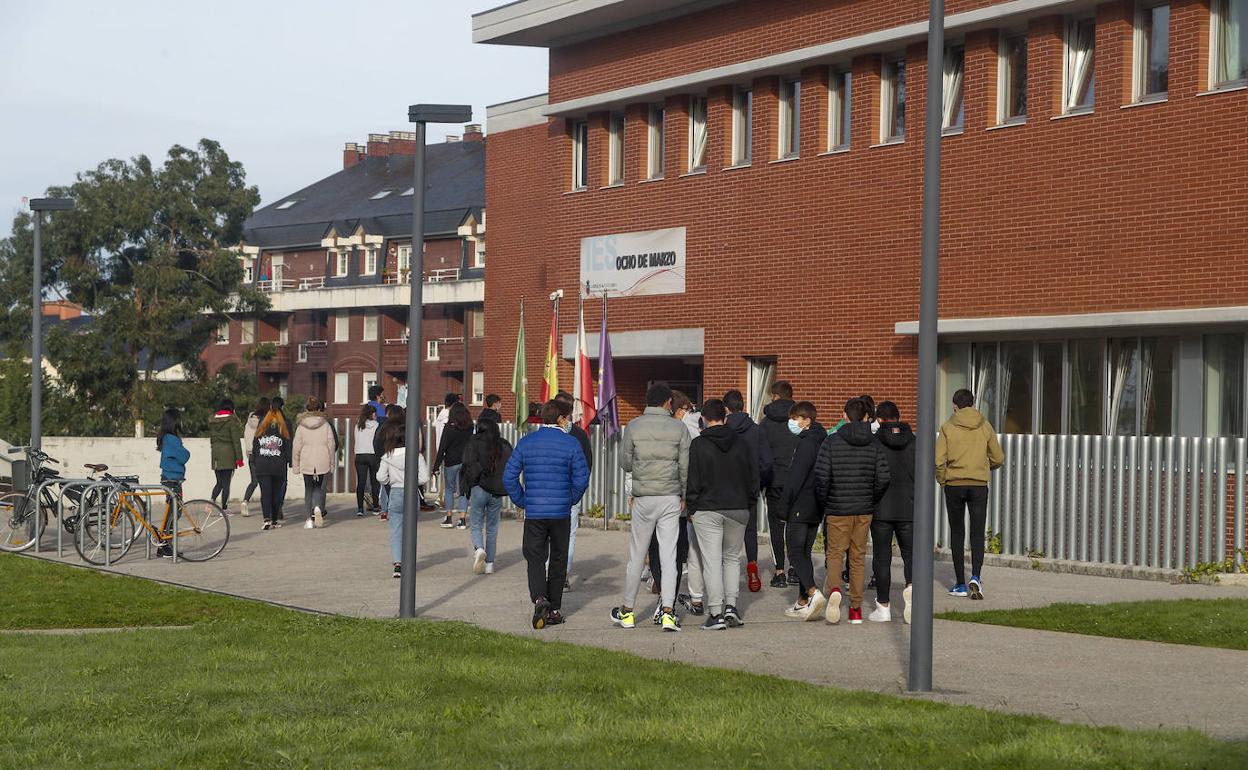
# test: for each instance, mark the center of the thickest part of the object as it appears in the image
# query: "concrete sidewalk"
(345, 568)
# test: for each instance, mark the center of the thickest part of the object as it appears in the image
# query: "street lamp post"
(920, 674)
(420, 114)
(38, 206)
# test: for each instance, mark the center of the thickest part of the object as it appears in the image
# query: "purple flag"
(608, 409)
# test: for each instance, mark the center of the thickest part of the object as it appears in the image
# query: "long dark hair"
(396, 438)
(460, 417)
(170, 424)
(366, 412)
(494, 441)
(262, 408)
(396, 418)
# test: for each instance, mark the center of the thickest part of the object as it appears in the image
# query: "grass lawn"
(256, 686)
(1202, 622)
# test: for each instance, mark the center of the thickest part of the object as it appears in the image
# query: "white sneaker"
(478, 562)
(833, 612)
(798, 611)
(881, 614)
(308, 524)
(489, 568)
(818, 602)
(905, 604)
(318, 518)
(242, 507)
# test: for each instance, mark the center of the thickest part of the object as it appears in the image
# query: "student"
(270, 457)
(894, 517)
(740, 421)
(481, 480)
(869, 403)
(783, 444)
(314, 457)
(395, 415)
(249, 435)
(577, 432)
(391, 473)
(688, 555)
(366, 461)
(450, 457)
(723, 478)
(555, 477)
(967, 451)
(225, 438)
(278, 404)
(490, 412)
(802, 514)
(443, 415)
(654, 448)
(374, 400)
(851, 475)
(173, 459)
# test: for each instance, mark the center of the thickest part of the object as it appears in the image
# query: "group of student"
(695, 479)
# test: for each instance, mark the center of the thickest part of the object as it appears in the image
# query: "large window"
(742, 127)
(342, 327)
(1079, 66)
(790, 118)
(370, 327)
(1224, 384)
(1228, 47)
(697, 133)
(840, 93)
(1012, 79)
(478, 389)
(342, 384)
(655, 145)
(370, 261)
(404, 261)
(953, 108)
(615, 155)
(893, 99)
(342, 262)
(1151, 72)
(580, 155)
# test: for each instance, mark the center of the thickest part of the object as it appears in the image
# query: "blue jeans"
(394, 510)
(453, 500)
(484, 512)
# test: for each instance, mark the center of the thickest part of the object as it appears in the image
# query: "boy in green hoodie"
(967, 451)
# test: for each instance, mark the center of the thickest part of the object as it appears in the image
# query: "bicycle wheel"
(203, 530)
(20, 522)
(89, 538)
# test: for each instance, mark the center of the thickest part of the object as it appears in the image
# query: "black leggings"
(366, 466)
(751, 532)
(682, 554)
(959, 500)
(270, 489)
(223, 486)
(776, 528)
(882, 533)
(801, 539)
(251, 485)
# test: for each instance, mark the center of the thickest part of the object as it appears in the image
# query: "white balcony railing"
(270, 286)
(311, 284)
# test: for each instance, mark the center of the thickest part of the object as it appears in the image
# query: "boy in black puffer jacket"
(895, 514)
(802, 510)
(783, 443)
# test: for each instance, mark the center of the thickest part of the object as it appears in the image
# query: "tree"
(145, 251)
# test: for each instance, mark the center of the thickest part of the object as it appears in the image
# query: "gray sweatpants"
(651, 514)
(721, 538)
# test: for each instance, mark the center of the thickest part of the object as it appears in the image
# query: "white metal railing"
(269, 286)
(310, 284)
(439, 276)
(401, 341)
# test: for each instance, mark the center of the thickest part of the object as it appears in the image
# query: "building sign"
(635, 264)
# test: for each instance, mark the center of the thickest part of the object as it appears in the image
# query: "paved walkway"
(345, 568)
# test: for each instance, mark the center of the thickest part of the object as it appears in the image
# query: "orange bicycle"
(198, 529)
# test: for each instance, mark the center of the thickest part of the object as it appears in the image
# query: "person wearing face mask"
(776, 423)
(804, 515)
(894, 516)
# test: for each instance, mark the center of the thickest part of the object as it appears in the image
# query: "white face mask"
(566, 428)
(795, 427)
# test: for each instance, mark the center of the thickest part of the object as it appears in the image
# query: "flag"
(608, 409)
(550, 372)
(583, 379)
(519, 377)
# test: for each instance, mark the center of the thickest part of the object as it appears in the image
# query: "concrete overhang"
(384, 295)
(552, 23)
(649, 343)
(1119, 321)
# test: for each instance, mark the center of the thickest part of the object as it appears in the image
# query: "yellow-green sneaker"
(670, 623)
(623, 619)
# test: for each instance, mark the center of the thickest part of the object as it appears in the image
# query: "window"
(1087, 386)
(839, 93)
(248, 329)
(278, 270)
(893, 99)
(476, 322)
(342, 261)
(1079, 66)
(367, 380)
(1052, 382)
(381, 194)
(1228, 47)
(405, 261)
(223, 333)
(1151, 76)
(953, 109)
(742, 127)
(301, 356)
(370, 327)
(1012, 79)
(370, 261)
(615, 158)
(655, 146)
(283, 331)
(1224, 385)
(1016, 385)
(431, 350)
(249, 272)
(697, 133)
(580, 155)
(478, 388)
(478, 251)
(342, 328)
(790, 118)
(286, 205)
(342, 383)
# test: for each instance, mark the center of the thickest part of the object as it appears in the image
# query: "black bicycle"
(25, 515)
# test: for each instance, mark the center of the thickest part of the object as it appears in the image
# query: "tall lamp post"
(920, 675)
(420, 114)
(38, 206)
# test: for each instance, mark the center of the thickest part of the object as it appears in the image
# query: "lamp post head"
(439, 113)
(51, 204)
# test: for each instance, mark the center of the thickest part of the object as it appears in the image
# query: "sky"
(281, 85)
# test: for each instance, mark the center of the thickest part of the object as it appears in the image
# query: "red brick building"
(334, 259)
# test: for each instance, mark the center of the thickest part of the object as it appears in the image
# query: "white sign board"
(635, 264)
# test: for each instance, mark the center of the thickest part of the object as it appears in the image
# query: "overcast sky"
(282, 85)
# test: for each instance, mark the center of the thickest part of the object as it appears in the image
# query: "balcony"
(313, 353)
(394, 355)
(442, 287)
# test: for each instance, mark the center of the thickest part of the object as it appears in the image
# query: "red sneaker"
(755, 582)
(855, 616)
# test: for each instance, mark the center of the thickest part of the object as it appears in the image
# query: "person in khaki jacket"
(967, 452)
(314, 455)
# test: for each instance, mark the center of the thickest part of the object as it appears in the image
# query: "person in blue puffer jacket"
(555, 478)
(173, 458)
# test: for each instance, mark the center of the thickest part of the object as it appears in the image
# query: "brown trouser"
(846, 533)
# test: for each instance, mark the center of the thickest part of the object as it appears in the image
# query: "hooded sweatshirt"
(270, 450)
(749, 430)
(797, 502)
(316, 445)
(225, 433)
(898, 501)
(967, 450)
(851, 473)
(723, 474)
(781, 440)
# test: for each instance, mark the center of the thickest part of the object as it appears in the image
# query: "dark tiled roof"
(455, 177)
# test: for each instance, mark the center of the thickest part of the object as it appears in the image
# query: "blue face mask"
(794, 428)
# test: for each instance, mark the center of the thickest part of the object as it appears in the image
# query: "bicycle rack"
(176, 511)
(36, 492)
(66, 485)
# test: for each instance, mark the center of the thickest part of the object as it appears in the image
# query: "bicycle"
(24, 519)
(202, 527)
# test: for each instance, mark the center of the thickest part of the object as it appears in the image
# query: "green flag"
(520, 378)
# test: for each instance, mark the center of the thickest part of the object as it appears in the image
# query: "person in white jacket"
(393, 471)
(314, 455)
(366, 461)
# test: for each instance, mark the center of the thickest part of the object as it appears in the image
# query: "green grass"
(256, 686)
(1200, 622)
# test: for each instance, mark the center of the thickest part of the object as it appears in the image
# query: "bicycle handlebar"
(34, 454)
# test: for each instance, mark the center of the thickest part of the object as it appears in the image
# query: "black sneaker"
(554, 618)
(778, 580)
(463, 524)
(447, 523)
(793, 581)
(359, 514)
(733, 617)
(714, 623)
(165, 552)
(694, 608)
(541, 614)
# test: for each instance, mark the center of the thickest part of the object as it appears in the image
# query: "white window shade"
(342, 328)
(478, 388)
(370, 327)
(1229, 42)
(342, 383)
(952, 103)
(697, 133)
(1079, 84)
